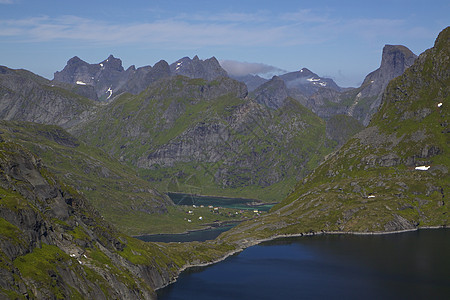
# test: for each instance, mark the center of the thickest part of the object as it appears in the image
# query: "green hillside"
(391, 176)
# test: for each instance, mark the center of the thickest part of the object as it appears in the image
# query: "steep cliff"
(53, 244)
(25, 96)
(362, 102)
(112, 188)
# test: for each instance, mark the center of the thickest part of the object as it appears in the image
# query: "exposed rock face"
(395, 60)
(102, 179)
(108, 78)
(28, 97)
(272, 93)
(141, 78)
(191, 132)
(55, 245)
(307, 82)
(209, 69)
(251, 81)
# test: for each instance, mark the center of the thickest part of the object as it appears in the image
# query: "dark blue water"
(199, 235)
(413, 265)
(235, 203)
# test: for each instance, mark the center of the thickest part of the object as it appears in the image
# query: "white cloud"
(238, 68)
(222, 29)
(6, 1)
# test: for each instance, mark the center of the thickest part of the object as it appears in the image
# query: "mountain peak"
(397, 58)
(208, 69)
(74, 60)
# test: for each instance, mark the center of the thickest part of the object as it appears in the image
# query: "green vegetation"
(371, 183)
(113, 189)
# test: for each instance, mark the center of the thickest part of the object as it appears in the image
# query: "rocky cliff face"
(394, 175)
(272, 93)
(307, 82)
(28, 97)
(189, 134)
(113, 189)
(209, 69)
(54, 245)
(108, 78)
(361, 103)
(395, 60)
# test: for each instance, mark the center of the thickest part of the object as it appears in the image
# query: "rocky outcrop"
(394, 61)
(208, 69)
(54, 244)
(27, 97)
(115, 191)
(272, 93)
(307, 82)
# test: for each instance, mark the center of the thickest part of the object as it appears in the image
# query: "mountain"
(395, 60)
(142, 77)
(209, 69)
(307, 82)
(392, 176)
(362, 102)
(105, 77)
(208, 137)
(55, 245)
(112, 188)
(272, 93)
(251, 81)
(25, 96)
(108, 78)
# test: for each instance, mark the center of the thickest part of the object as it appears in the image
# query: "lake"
(235, 203)
(411, 265)
(198, 235)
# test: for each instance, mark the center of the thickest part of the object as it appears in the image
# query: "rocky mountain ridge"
(109, 78)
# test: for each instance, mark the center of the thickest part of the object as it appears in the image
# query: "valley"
(100, 154)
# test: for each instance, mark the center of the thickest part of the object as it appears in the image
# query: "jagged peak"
(398, 48)
(74, 60)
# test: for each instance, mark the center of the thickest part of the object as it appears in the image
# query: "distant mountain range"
(167, 120)
(103, 81)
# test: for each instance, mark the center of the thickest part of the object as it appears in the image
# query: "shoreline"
(207, 227)
(259, 241)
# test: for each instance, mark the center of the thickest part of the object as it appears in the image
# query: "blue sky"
(342, 40)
